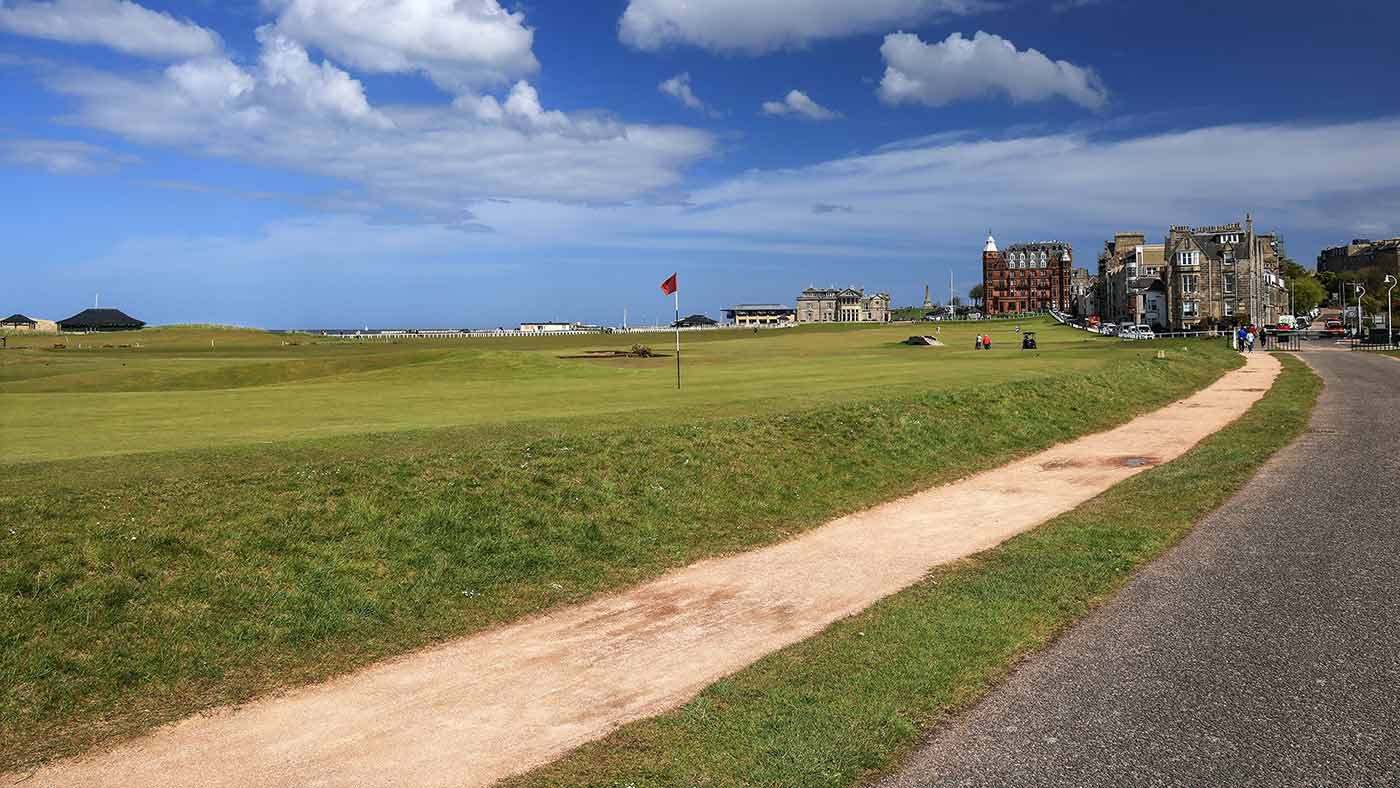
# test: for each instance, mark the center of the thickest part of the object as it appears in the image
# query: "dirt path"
(497, 703)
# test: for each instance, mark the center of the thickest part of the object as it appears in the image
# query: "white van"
(1144, 331)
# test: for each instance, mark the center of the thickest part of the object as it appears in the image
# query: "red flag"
(669, 286)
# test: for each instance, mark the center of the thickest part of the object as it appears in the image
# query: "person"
(1240, 335)
(987, 342)
(1249, 339)
(979, 341)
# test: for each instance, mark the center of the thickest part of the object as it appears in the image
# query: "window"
(1229, 309)
(1228, 283)
(1190, 282)
(1190, 309)
(1188, 258)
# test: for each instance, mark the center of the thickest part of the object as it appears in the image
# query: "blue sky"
(287, 163)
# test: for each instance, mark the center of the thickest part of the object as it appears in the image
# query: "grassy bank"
(844, 705)
(145, 587)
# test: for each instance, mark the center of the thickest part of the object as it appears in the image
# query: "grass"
(142, 586)
(842, 707)
(196, 388)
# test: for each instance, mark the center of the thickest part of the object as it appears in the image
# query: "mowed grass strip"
(142, 589)
(843, 706)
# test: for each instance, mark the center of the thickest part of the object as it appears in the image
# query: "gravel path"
(1264, 650)
(500, 702)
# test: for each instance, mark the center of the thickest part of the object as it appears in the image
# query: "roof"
(756, 307)
(101, 318)
(991, 244)
(17, 318)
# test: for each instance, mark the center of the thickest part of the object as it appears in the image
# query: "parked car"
(1144, 331)
(1108, 329)
(1334, 328)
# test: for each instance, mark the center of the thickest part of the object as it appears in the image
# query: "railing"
(1377, 339)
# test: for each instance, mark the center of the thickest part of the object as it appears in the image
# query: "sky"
(479, 163)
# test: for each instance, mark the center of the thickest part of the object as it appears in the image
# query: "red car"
(1334, 328)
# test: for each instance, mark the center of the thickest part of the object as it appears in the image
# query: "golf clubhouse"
(95, 320)
(760, 314)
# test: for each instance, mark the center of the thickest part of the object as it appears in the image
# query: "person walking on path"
(1249, 338)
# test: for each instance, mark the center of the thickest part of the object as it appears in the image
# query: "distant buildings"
(1131, 287)
(1027, 277)
(555, 327)
(851, 305)
(92, 320)
(1083, 293)
(1198, 278)
(759, 314)
(695, 321)
(18, 322)
(1360, 254)
(1224, 275)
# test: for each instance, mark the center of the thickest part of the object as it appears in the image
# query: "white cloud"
(757, 26)
(937, 199)
(320, 89)
(798, 104)
(460, 44)
(426, 161)
(63, 157)
(119, 24)
(959, 68)
(678, 87)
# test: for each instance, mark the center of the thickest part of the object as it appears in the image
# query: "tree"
(1308, 292)
(976, 294)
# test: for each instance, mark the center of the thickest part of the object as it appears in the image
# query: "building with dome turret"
(1026, 277)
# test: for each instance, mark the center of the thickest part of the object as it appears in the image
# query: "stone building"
(851, 305)
(1224, 275)
(1131, 284)
(1027, 277)
(1083, 293)
(1360, 254)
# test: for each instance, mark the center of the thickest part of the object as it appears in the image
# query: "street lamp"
(1360, 291)
(1389, 327)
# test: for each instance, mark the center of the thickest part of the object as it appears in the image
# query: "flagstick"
(678, 338)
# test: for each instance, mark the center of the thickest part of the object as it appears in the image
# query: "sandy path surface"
(499, 702)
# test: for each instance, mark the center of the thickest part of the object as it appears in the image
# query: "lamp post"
(1389, 327)
(1360, 291)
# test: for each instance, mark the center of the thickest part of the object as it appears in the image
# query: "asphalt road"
(1264, 650)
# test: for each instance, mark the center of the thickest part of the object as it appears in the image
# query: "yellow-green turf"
(186, 526)
(189, 388)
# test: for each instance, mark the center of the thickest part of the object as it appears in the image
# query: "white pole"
(678, 337)
(1389, 326)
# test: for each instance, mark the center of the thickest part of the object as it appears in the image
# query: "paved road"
(1264, 650)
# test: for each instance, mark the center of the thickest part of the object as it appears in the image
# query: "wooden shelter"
(90, 320)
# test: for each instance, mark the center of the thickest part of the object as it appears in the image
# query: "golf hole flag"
(669, 287)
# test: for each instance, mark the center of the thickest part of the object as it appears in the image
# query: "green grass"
(843, 706)
(179, 391)
(144, 581)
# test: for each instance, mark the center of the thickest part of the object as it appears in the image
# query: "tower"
(993, 268)
(928, 302)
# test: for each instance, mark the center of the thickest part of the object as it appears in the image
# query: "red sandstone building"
(1028, 277)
